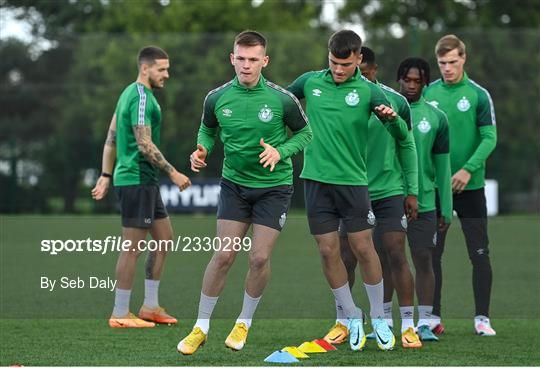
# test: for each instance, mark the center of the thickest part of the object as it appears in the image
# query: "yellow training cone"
(309, 347)
(295, 352)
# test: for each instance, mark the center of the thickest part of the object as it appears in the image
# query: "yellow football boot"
(409, 339)
(337, 334)
(238, 336)
(192, 342)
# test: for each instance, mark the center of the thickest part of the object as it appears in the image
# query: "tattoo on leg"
(149, 266)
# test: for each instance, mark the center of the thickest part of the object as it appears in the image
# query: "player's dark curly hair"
(368, 56)
(414, 62)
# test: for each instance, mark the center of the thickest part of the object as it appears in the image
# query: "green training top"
(136, 106)
(244, 116)
(392, 165)
(430, 128)
(471, 118)
(338, 115)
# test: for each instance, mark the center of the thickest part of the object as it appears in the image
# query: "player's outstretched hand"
(460, 180)
(411, 207)
(180, 180)
(102, 187)
(197, 158)
(270, 155)
(386, 113)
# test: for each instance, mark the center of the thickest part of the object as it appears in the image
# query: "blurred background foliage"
(59, 90)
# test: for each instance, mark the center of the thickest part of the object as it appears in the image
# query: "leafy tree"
(98, 42)
(502, 45)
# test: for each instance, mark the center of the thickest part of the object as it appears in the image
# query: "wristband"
(106, 175)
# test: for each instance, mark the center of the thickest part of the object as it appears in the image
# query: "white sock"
(424, 316)
(344, 298)
(388, 313)
(151, 288)
(407, 317)
(480, 319)
(206, 307)
(248, 309)
(375, 295)
(340, 314)
(121, 302)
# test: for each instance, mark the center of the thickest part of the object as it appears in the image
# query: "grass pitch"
(69, 326)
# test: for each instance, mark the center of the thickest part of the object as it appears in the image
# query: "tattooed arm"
(143, 135)
(107, 163)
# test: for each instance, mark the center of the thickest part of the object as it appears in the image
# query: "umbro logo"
(227, 112)
(317, 92)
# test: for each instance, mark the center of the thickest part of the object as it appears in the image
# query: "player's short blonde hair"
(449, 43)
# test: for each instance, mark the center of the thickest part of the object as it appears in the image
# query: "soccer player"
(393, 187)
(430, 128)
(133, 141)
(471, 119)
(339, 104)
(252, 115)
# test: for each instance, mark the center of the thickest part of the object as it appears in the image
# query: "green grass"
(90, 342)
(68, 327)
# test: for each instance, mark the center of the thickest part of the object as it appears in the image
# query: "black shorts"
(471, 208)
(262, 206)
(390, 215)
(327, 204)
(140, 205)
(422, 232)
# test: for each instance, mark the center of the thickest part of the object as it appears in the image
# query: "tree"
(96, 43)
(502, 45)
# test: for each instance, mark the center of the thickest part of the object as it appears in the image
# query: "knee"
(363, 247)
(397, 259)
(422, 256)
(133, 253)
(223, 260)
(480, 257)
(422, 262)
(329, 252)
(259, 261)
